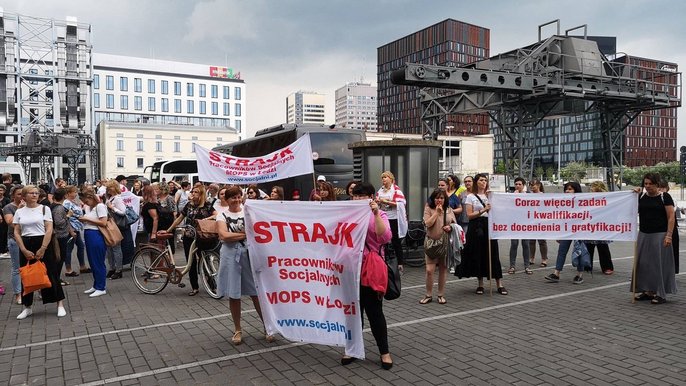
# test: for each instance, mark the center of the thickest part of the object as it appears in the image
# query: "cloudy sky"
(280, 46)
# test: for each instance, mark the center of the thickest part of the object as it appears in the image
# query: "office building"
(448, 43)
(356, 106)
(161, 92)
(305, 107)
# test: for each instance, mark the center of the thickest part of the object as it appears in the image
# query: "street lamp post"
(449, 128)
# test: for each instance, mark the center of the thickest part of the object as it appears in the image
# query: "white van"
(13, 168)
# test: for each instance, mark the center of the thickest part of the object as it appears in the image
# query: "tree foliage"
(668, 171)
(574, 171)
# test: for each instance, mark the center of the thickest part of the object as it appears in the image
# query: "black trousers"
(603, 255)
(54, 267)
(3, 237)
(193, 273)
(372, 305)
(397, 242)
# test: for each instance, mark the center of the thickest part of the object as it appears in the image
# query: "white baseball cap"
(321, 178)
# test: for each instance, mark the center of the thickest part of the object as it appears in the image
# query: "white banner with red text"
(564, 216)
(293, 160)
(306, 259)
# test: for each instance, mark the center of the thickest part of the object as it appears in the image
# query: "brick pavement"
(542, 333)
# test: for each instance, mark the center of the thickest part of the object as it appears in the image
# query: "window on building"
(139, 145)
(165, 105)
(215, 91)
(165, 87)
(202, 107)
(120, 162)
(237, 109)
(137, 103)
(202, 90)
(158, 146)
(238, 125)
(151, 86)
(140, 163)
(238, 93)
(109, 82)
(96, 82)
(190, 107)
(110, 101)
(120, 145)
(227, 109)
(151, 103)
(226, 91)
(177, 88)
(123, 83)
(177, 147)
(137, 85)
(189, 89)
(96, 100)
(177, 106)
(124, 102)
(215, 108)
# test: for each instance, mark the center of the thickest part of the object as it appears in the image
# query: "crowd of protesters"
(34, 215)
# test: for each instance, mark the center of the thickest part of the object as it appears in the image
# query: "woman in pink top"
(378, 234)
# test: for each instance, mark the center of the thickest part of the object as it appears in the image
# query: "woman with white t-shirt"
(33, 234)
(389, 197)
(235, 278)
(475, 255)
(95, 214)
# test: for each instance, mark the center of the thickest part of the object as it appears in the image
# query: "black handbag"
(393, 287)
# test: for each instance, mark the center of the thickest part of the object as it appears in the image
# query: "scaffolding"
(45, 88)
(559, 76)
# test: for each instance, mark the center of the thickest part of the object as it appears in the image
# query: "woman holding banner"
(603, 247)
(476, 254)
(378, 234)
(536, 186)
(654, 274)
(234, 278)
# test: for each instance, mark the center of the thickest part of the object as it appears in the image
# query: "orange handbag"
(34, 277)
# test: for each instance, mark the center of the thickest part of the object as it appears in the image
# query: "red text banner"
(293, 160)
(564, 216)
(306, 259)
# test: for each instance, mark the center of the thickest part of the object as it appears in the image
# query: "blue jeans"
(14, 255)
(78, 240)
(562, 250)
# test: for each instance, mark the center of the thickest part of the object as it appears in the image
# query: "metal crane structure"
(558, 76)
(45, 80)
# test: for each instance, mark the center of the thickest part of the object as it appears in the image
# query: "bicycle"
(152, 267)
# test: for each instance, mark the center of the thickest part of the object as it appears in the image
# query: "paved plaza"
(541, 333)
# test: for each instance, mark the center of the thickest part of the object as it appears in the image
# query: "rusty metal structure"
(562, 75)
(45, 81)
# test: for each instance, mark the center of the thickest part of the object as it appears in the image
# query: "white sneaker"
(89, 291)
(4, 255)
(26, 312)
(97, 293)
(61, 312)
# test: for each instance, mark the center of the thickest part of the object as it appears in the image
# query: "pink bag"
(374, 272)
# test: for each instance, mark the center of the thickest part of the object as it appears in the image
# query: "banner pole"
(633, 273)
(490, 268)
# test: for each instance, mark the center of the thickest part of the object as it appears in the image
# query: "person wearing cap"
(121, 179)
(319, 186)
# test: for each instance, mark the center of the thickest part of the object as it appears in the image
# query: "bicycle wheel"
(210, 269)
(144, 272)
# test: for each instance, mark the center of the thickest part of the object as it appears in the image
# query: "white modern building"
(127, 148)
(141, 90)
(356, 106)
(305, 107)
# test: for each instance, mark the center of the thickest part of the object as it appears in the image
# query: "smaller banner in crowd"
(306, 259)
(134, 202)
(564, 216)
(293, 160)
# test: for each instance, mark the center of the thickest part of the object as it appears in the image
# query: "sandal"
(195, 292)
(71, 274)
(528, 271)
(479, 290)
(502, 291)
(511, 271)
(544, 263)
(426, 299)
(269, 338)
(643, 296)
(441, 299)
(658, 300)
(237, 338)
